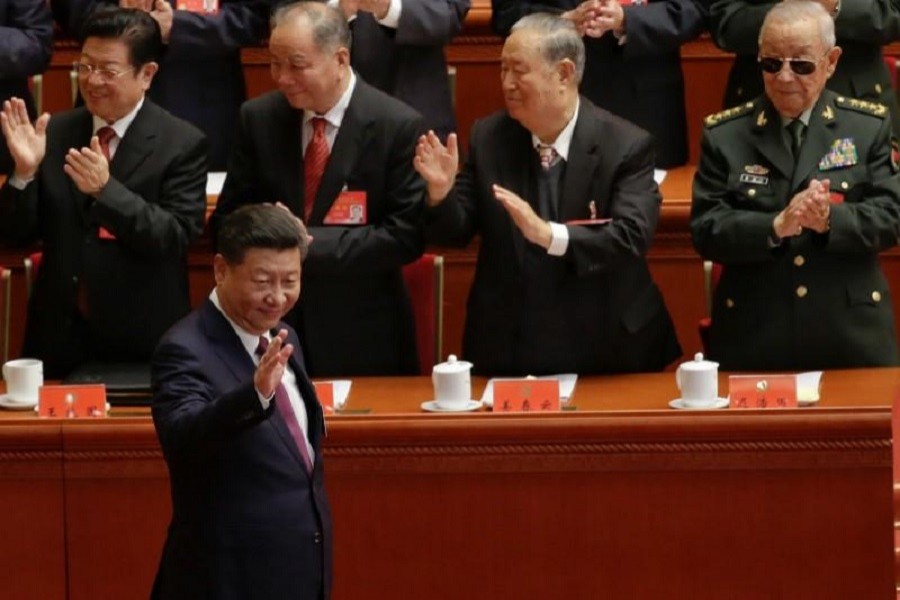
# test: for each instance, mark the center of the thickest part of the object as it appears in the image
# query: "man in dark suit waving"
(115, 190)
(328, 145)
(241, 429)
(563, 195)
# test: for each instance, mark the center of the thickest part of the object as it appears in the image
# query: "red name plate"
(325, 393)
(72, 401)
(762, 391)
(526, 395)
(209, 7)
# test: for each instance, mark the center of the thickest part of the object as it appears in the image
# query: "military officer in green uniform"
(862, 28)
(796, 193)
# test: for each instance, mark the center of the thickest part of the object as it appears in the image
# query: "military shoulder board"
(864, 106)
(728, 114)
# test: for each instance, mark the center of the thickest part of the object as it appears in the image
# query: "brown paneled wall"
(475, 55)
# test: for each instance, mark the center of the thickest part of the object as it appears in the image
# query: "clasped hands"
(27, 143)
(809, 209)
(438, 164)
(593, 18)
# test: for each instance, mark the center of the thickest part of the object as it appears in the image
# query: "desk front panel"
(620, 498)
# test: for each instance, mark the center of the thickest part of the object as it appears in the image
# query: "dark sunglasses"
(800, 66)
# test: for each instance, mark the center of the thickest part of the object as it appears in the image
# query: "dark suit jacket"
(354, 316)
(248, 521)
(593, 310)
(862, 28)
(200, 77)
(26, 43)
(640, 80)
(135, 286)
(818, 301)
(408, 62)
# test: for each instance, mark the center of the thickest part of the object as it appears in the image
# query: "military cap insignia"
(728, 114)
(841, 154)
(864, 106)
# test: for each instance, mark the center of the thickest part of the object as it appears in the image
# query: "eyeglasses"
(800, 66)
(106, 75)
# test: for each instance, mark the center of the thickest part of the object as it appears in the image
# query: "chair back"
(425, 284)
(32, 266)
(5, 302)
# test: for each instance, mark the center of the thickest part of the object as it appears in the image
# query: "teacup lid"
(698, 364)
(452, 365)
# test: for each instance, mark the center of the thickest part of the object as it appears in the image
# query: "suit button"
(876, 296)
(844, 185)
(751, 192)
(729, 303)
(317, 538)
(802, 291)
(799, 261)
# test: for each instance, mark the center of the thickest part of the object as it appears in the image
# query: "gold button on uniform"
(729, 303)
(877, 88)
(799, 261)
(751, 192)
(876, 296)
(802, 291)
(844, 185)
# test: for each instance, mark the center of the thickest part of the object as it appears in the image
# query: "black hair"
(259, 226)
(136, 28)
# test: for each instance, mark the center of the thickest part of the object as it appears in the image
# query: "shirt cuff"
(559, 239)
(18, 183)
(392, 18)
(263, 401)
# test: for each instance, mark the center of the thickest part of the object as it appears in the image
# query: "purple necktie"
(283, 406)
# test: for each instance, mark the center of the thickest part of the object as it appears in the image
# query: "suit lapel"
(584, 156)
(352, 138)
(287, 136)
(770, 140)
(518, 174)
(138, 143)
(819, 135)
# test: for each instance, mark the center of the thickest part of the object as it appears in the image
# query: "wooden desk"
(621, 498)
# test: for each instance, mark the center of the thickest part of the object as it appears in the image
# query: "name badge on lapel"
(348, 209)
(841, 154)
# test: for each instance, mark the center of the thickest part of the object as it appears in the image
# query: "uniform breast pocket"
(755, 192)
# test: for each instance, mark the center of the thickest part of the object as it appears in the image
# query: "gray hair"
(559, 40)
(329, 26)
(789, 11)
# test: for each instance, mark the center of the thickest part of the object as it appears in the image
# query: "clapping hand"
(814, 209)
(437, 164)
(88, 168)
(533, 227)
(27, 142)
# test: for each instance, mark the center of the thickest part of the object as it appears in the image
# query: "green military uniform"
(814, 301)
(862, 28)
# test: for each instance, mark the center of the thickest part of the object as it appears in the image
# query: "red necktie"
(284, 408)
(314, 162)
(106, 135)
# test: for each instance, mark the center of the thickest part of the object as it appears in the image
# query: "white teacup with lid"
(452, 383)
(698, 381)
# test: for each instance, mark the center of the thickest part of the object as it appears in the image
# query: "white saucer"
(7, 402)
(679, 403)
(432, 406)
